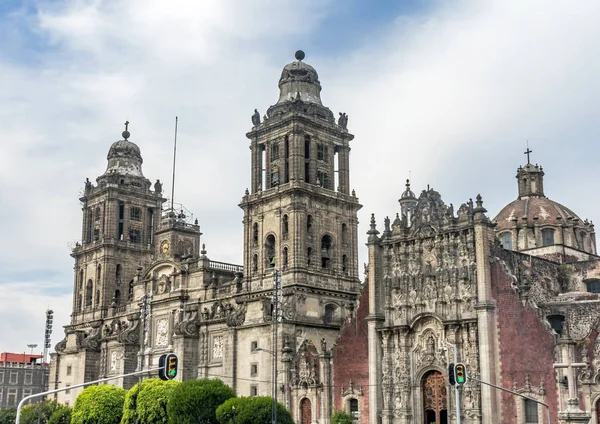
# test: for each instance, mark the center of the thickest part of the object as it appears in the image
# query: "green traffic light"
(172, 373)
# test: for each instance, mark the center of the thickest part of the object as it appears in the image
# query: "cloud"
(450, 93)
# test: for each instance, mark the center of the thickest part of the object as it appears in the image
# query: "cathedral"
(514, 298)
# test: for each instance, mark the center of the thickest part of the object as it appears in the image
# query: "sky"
(449, 93)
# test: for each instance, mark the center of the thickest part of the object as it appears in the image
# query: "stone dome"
(299, 78)
(534, 210)
(124, 158)
(408, 193)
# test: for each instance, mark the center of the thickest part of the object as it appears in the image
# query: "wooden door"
(435, 408)
(305, 411)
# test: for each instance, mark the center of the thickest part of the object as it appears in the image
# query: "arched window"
(255, 233)
(270, 251)
(97, 224)
(309, 223)
(344, 233)
(353, 408)
(285, 226)
(593, 285)
(117, 299)
(89, 293)
(255, 263)
(326, 250)
(81, 279)
(308, 256)
(531, 411)
(556, 322)
(285, 258)
(329, 314)
(97, 298)
(345, 264)
(98, 273)
(130, 291)
(506, 240)
(90, 225)
(118, 274)
(547, 237)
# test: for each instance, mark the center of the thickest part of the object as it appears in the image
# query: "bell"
(272, 263)
(324, 253)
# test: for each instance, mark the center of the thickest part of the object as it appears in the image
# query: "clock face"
(164, 247)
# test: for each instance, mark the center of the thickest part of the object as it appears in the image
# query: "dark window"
(99, 273)
(121, 210)
(285, 257)
(274, 177)
(329, 314)
(130, 290)
(547, 237)
(253, 391)
(69, 370)
(323, 179)
(344, 233)
(255, 233)
(308, 256)
(531, 412)
(344, 264)
(309, 222)
(326, 250)
(353, 407)
(556, 322)
(270, 250)
(322, 152)
(593, 285)
(90, 225)
(506, 240)
(134, 235)
(274, 151)
(97, 298)
(255, 263)
(253, 370)
(117, 298)
(253, 346)
(285, 226)
(307, 147)
(89, 293)
(135, 213)
(118, 274)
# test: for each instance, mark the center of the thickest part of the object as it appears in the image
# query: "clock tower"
(300, 219)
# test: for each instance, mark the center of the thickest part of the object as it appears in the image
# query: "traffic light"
(460, 374)
(167, 366)
(451, 378)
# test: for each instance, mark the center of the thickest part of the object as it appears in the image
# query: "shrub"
(61, 415)
(8, 415)
(43, 410)
(256, 410)
(152, 401)
(341, 417)
(130, 405)
(196, 401)
(99, 405)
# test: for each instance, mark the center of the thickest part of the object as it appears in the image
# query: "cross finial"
(126, 125)
(527, 152)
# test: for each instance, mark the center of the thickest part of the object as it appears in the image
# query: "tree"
(43, 410)
(61, 415)
(8, 415)
(256, 410)
(152, 401)
(99, 405)
(341, 417)
(196, 401)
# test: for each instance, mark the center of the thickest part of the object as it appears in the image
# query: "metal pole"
(49, 392)
(456, 392)
(174, 156)
(514, 393)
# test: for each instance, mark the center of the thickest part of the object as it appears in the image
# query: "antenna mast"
(174, 156)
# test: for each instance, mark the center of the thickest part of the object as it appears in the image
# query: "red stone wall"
(351, 358)
(525, 346)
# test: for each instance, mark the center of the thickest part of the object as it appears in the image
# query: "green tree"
(43, 410)
(255, 410)
(152, 401)
(8, 415)
(195, 401)
(61, 415)
(99, 405)
(341, 417)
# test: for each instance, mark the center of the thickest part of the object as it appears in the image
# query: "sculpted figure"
(256, 118)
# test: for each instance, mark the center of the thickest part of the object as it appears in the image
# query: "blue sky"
(449, 91)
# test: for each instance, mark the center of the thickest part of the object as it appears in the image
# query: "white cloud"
(451, 95)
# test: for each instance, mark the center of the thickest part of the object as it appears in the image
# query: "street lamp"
(32, 346)
(273, 382)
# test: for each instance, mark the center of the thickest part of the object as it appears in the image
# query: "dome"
(534, 210)
(124, 158)
(408, 193)
(299, 79)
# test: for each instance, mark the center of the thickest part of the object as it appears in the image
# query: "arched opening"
(598, 412)
(255, 233)
(99, 273)
(556, 322)
(329, 314)
(118, 274)
(305, 411)
(89, 293)
(117, 297)
(547, 237)
(97, 303)
(353, 409)
(309, 224)
(506, 240)
(326, 250)
(285, 258)
(434, 398)
(345, 264)
(285, 226)
(270, 251)
(308, 256)
(344, 233)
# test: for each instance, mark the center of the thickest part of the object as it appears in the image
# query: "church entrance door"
(305, 411)
(434, 398)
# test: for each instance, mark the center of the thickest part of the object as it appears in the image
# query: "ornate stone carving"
(92, 341)
(237, 316)
(61, 346)
(190, 323)
(162, 333)
(131, 332)
(217, 351)
(288, 307)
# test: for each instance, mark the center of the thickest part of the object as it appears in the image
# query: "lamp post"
(273, 382)
(32, 346)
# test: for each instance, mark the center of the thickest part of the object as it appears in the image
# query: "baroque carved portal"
(434, 398)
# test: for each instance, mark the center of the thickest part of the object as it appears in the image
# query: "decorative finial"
(527, 152)
(126, 133)
(479, 201)
(408, 184)
(203, 251)
(299, 55)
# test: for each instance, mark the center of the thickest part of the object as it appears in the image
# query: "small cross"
(527, 152)
(126, 125)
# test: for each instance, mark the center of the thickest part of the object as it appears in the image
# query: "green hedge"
(152, 401)
(99, 405)
(196, 401)
(255, 410)
(341, 417)
(62, 415)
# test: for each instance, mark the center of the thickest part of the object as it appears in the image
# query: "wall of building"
(526, 347)
(351, 360)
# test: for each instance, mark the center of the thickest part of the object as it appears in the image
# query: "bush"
(152, 401)
(45, 409)
(341, 417)
(196, 401)
(130, 405)
(256, 410)
(99, 405)
(61, 415)
(8, 415)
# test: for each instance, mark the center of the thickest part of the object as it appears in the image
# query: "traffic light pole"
(49, 392)
(514, 393)
(456, 392)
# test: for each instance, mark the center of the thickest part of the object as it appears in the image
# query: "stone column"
(326, 395)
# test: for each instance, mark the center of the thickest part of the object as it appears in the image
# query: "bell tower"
(300, 217)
